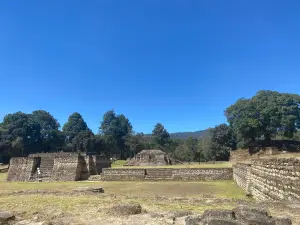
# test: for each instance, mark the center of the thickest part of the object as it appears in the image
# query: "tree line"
(267, 115)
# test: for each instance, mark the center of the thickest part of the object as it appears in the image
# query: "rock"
(6, 216)
(89, 189)
(193, 220)
(251, 215)
(125, 209)
(176, 214)
(216, 214)
(29, 222)
(156, 215)
(282, 221)
(222, 222)
(241, 209)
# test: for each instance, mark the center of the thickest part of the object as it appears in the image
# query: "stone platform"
(166, 174)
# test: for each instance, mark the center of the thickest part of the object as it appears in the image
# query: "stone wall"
(202, 174)
(167, 174)
(123, 174)
(270, 179)
(58, 166)
(68, 168)
(242, 175)
(96, 163)
(20, 169)
(91, 164)
(54, 154)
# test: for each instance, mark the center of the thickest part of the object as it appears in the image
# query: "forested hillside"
(195, 134)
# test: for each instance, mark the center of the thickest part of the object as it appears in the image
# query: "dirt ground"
(59, 203)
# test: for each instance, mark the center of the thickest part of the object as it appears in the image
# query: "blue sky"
(180, 63)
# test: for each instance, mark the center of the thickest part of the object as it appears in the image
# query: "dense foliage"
(263, 117)
(266, 116)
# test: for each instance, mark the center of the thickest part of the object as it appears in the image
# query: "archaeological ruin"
(150, 158)
(60, 166)
(262, 178)
(167, 174)
(269, 179)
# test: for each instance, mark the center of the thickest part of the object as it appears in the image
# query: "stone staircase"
(46, 168)
(159, 174)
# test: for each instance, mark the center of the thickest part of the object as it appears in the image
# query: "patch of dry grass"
(136, 189)
(3, 177)
(152, 196)
(58, 198)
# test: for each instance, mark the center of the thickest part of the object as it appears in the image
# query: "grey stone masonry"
(58, 166)
(119, 174)
(270, 179)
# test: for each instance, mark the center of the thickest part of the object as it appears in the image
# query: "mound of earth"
(125, 209)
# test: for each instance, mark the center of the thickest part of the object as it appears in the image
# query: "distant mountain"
(186, 135)
(195, 134)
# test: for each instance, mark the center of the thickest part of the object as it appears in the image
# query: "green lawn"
(118, 163)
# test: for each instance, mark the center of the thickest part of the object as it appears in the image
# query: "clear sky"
(180, 63)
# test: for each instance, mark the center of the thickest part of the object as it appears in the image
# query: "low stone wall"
(202, 174)
(123, 174)
(55, 154)
(242, 175)
(167, 174)
(270, 179)
(276, 179)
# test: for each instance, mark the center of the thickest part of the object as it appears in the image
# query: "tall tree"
(74, 126)
(5, 146)
(84, 142)
(116, 129)
(222, 142)
(136, 143)
(22, 131)
(265, 115)
(205, 152)
(183, 153)
(51, 139)
(187, 151)
(160, 137)
(192, 144)
(101, 146)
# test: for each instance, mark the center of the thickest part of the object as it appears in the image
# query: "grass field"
(57, 202)
(51, 198)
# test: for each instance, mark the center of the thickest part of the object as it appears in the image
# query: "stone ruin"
(151, 158)
(241, 215)
(60, 166)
